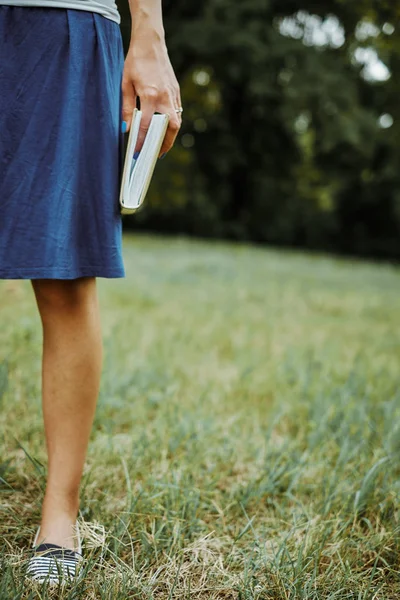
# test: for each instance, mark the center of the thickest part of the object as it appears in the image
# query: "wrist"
(147, 46)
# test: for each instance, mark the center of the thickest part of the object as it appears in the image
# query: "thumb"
(128, 102)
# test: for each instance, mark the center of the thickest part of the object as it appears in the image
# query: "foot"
(56, 562)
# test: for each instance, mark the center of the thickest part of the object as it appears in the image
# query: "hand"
(148, 73)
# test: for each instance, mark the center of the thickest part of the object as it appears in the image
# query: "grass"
(246, 442)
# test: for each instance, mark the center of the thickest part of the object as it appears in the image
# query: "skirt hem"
(62, 273)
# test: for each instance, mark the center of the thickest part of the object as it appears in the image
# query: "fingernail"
(135, 156)
(123, 126)
(163, 155)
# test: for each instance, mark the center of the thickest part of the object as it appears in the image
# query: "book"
(139, 167)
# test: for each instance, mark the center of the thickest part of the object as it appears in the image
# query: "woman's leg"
(72, 360)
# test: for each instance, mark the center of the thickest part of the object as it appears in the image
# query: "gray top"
(107, 8)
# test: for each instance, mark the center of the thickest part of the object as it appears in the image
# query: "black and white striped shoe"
(54, 564)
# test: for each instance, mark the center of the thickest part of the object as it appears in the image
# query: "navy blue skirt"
(61, 146)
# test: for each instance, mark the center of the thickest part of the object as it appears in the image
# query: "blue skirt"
(61, 145)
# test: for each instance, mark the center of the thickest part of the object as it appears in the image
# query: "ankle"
(61, 502)
(60, 531)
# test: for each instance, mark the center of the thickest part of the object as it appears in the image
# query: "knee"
(54, 295)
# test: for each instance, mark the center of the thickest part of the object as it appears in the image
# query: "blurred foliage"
(283, 139)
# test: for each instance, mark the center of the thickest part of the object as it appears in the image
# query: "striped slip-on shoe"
(54, 564)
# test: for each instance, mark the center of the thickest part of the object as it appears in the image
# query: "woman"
(66, 98)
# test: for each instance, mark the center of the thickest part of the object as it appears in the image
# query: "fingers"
(151, 101)
(148, 106)
(175, 121)
(128, 101)
(174, 125)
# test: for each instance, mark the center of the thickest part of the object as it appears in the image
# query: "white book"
(137, 173)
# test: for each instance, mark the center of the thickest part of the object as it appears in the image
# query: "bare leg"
(72, 360)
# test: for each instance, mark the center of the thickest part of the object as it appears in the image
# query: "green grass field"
(246, 443)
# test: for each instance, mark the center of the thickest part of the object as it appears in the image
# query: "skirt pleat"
(60, 144)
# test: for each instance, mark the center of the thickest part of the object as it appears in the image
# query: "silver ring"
(179, 110)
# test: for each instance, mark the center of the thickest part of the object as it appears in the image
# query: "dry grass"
(246, 441)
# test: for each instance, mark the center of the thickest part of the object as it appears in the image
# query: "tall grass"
(246, 442)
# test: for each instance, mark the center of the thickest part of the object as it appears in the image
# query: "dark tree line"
(290, 132)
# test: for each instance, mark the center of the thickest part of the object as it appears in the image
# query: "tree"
(281, 137)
